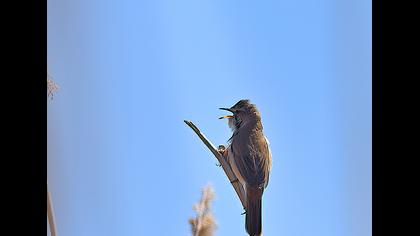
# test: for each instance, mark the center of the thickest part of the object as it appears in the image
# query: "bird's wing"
(252, 158)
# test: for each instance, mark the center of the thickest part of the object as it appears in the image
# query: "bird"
(248, 153)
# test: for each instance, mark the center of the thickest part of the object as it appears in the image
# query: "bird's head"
(243, 112)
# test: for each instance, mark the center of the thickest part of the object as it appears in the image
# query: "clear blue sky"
(121, 162)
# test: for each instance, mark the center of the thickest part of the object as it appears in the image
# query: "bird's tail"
(253, 211)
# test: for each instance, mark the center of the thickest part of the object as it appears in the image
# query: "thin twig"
(50, 213)
(225, 165)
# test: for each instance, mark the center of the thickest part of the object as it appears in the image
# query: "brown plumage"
(250, 158)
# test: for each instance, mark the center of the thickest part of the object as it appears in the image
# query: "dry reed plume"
(52, 87)
(204, 223)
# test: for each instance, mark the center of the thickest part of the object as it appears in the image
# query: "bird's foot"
(218, 164)
(221, 149)
(243, 213)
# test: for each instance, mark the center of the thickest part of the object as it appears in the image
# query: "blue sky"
(122, 162)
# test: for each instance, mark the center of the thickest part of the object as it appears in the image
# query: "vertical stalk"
(50, 213)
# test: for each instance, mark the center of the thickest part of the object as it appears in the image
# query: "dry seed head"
(204, 223)
(52, 87)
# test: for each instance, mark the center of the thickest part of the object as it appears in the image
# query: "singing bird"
(249, 156)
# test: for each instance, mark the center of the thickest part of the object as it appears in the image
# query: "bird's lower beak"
(226, 117)
(226, 109)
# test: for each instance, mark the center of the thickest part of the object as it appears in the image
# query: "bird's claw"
(218, 164)
(243, 213)
(221, 149)
(235, 180)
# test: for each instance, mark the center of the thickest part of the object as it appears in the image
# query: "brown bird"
(249, 155)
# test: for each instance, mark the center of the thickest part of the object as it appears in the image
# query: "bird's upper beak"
(226, 109)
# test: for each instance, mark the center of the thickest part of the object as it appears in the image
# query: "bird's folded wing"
(252, 159)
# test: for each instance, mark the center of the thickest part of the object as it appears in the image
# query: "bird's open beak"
(226, 109)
